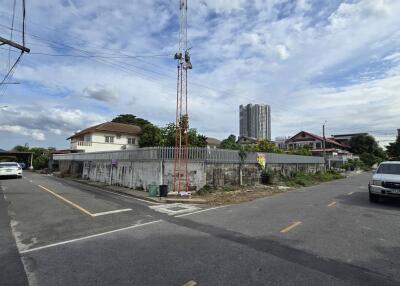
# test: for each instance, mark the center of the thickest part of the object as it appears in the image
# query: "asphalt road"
(71, 234)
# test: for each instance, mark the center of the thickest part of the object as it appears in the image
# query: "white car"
(8, 169)
(385, 181)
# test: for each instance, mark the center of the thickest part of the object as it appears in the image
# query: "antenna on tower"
(181, 179)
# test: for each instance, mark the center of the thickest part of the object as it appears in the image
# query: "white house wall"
(98, 143)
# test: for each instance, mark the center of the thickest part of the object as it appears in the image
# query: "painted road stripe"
(332, 204)
(201, 211)
(111, 212)
(290, 227)
(190, 283)
(88, 237)
(129, 197)
(67, 201)
(350, 193)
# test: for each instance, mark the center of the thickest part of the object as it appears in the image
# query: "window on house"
(109, 139)
(118, 136)
(131, 141)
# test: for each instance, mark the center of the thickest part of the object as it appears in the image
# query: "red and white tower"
(181, 178)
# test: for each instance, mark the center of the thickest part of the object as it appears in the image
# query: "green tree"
(304, 151)
(168, 135)
(21, 148)
(130, 119)
(393, 150)
(151, 136)
(367, 148)
(41, 161)
(267, 146)
(230, 143)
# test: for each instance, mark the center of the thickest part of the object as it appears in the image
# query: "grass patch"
(304, 179)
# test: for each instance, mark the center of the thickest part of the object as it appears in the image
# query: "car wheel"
(373, 198)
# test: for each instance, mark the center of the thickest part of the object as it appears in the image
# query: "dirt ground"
(240, 195)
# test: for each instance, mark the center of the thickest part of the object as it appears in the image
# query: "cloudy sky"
(310, 60)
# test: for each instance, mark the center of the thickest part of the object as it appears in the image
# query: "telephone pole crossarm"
(4, 41)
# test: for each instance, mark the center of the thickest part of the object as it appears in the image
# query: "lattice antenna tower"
(181, 179)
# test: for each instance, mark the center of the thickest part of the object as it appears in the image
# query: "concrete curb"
(121, 190)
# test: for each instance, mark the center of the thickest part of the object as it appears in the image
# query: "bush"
(40, 162)
(304, 179)
(205, 190)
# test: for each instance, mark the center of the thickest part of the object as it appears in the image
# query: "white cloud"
(308, 60)
(19, 130)
(101, 93)
(282, 52)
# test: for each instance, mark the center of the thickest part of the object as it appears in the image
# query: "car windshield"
(4, 165)
(392, 169)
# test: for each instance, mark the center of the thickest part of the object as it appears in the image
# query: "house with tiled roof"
(336, 153)
(108, 136)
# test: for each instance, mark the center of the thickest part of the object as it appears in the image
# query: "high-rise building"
(255, 121)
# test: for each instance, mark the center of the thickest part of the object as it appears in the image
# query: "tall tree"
(367, 148)
(230, 143)
(21, 148)
(393, 150)
(151, 136)
(130, 119)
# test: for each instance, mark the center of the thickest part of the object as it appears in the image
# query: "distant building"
(345, 138)
(313, 141)
(255, 121)
(280, 141)
(245, 140)
(108, 136)
(213, 142)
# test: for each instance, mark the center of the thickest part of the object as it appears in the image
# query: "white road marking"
(205, 210)
(175, 209)
(129, 197)
(350, 193)
(111, 212)
(88, 237)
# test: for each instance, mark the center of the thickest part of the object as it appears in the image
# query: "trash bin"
(163, 190)
(153, 192)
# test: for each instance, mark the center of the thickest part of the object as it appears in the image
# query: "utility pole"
(324, 142)
(23, 49)
(11, 43)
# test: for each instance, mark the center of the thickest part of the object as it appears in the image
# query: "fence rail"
(193, 154)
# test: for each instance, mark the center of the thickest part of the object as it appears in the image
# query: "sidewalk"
(140, 194)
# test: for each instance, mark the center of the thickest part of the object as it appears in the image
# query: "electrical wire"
(11, 33)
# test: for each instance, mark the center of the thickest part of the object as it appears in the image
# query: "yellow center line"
(332, 204)
(68, 201)
(290, 227)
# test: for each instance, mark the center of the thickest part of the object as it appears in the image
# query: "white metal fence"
(194, 154)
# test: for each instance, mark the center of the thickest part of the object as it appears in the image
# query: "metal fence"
(194, 154)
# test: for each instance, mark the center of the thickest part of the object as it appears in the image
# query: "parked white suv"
(385, 181)
(10, 169)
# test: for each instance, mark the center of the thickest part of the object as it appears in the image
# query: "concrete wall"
(140, 174)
